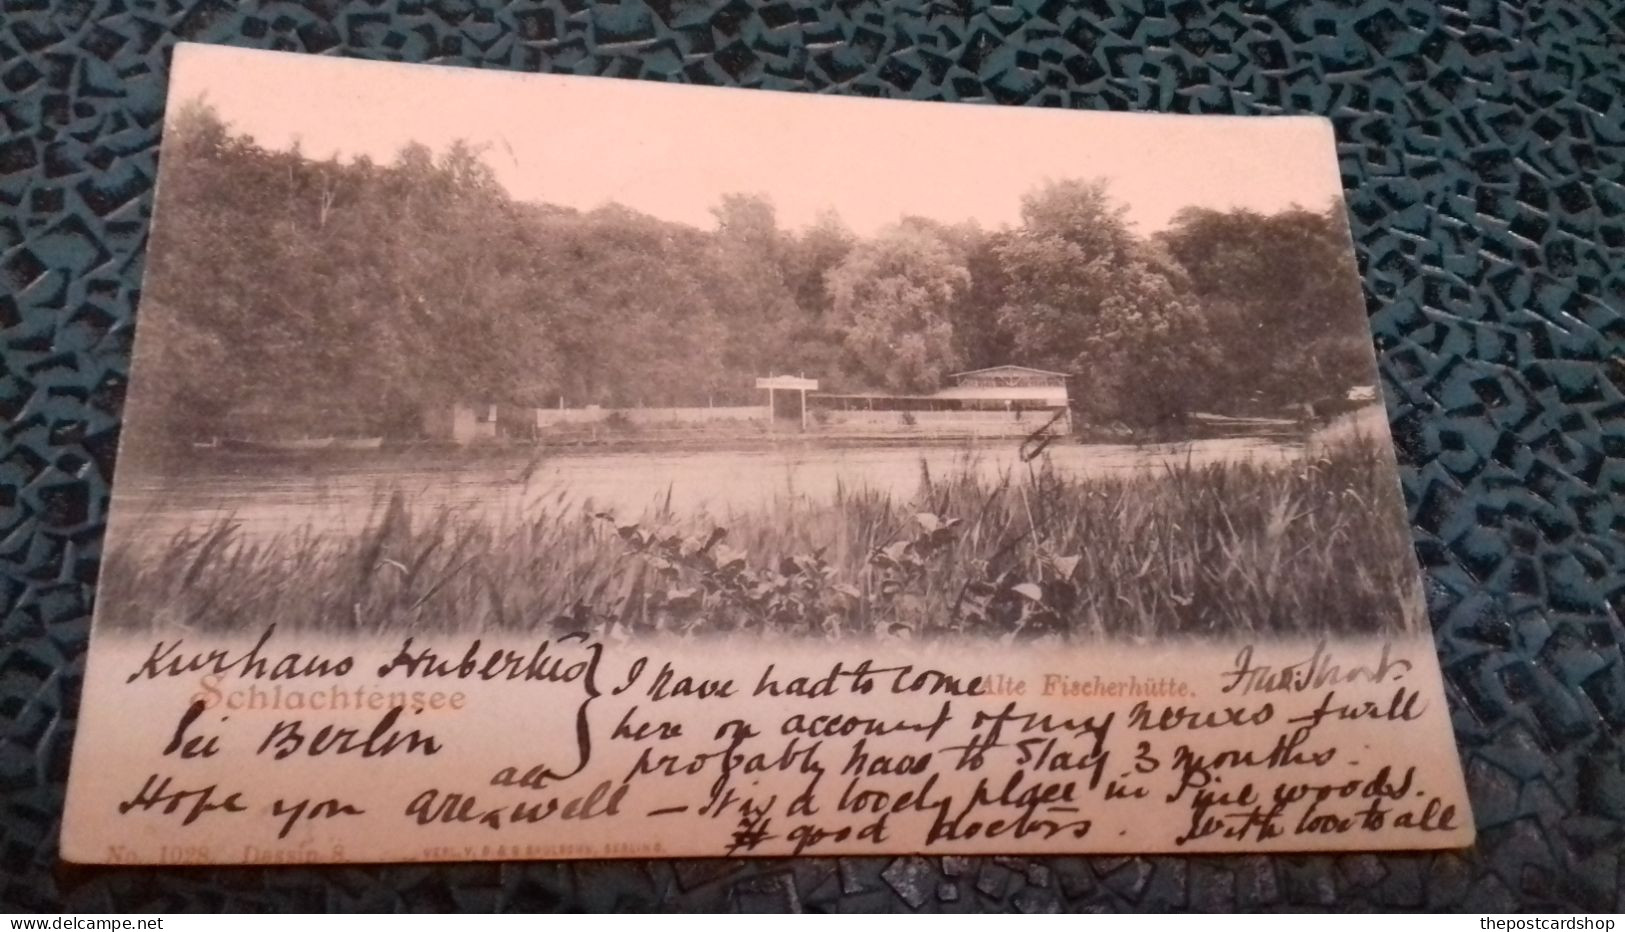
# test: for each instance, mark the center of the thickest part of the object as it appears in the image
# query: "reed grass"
(1313, 547)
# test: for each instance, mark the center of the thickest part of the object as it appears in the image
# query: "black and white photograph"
(552, 468)
(644, 360)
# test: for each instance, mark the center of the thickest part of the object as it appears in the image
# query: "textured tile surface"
(1482, 146)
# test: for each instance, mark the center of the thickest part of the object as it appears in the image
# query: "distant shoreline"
(711, 438)
(693, 441)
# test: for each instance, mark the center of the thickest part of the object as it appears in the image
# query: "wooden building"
(993, 402)
(1006, 387)
(1011, 399)
(460, 423)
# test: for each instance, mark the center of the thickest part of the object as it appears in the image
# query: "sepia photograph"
(409, 361)
(555, 468)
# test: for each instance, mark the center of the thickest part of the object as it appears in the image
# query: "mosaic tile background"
(1482, 147)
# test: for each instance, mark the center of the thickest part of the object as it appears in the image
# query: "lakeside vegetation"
(1313, 547)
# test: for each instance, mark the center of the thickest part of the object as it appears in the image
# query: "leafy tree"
(814, 346)
(891, 298)
(1085, 296)
(359, 291)
(748, 287)
(625, 300)
(1282, 300)
(811, 256)
(979, 338)
(364, 291)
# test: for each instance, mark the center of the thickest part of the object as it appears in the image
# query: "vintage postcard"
(525, 466)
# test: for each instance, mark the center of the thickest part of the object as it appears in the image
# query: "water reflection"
(269, 497)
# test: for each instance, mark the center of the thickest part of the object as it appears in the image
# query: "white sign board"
(788, 382)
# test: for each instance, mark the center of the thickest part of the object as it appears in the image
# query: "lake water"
(267, 496)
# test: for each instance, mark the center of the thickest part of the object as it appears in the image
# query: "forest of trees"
(323, 297)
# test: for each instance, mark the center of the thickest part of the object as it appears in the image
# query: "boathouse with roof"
(998, 400)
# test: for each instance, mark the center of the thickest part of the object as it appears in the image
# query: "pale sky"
(674, 150)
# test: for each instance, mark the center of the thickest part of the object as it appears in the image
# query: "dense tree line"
(358, 292)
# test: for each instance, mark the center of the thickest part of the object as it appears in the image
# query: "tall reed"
(1312, 547)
